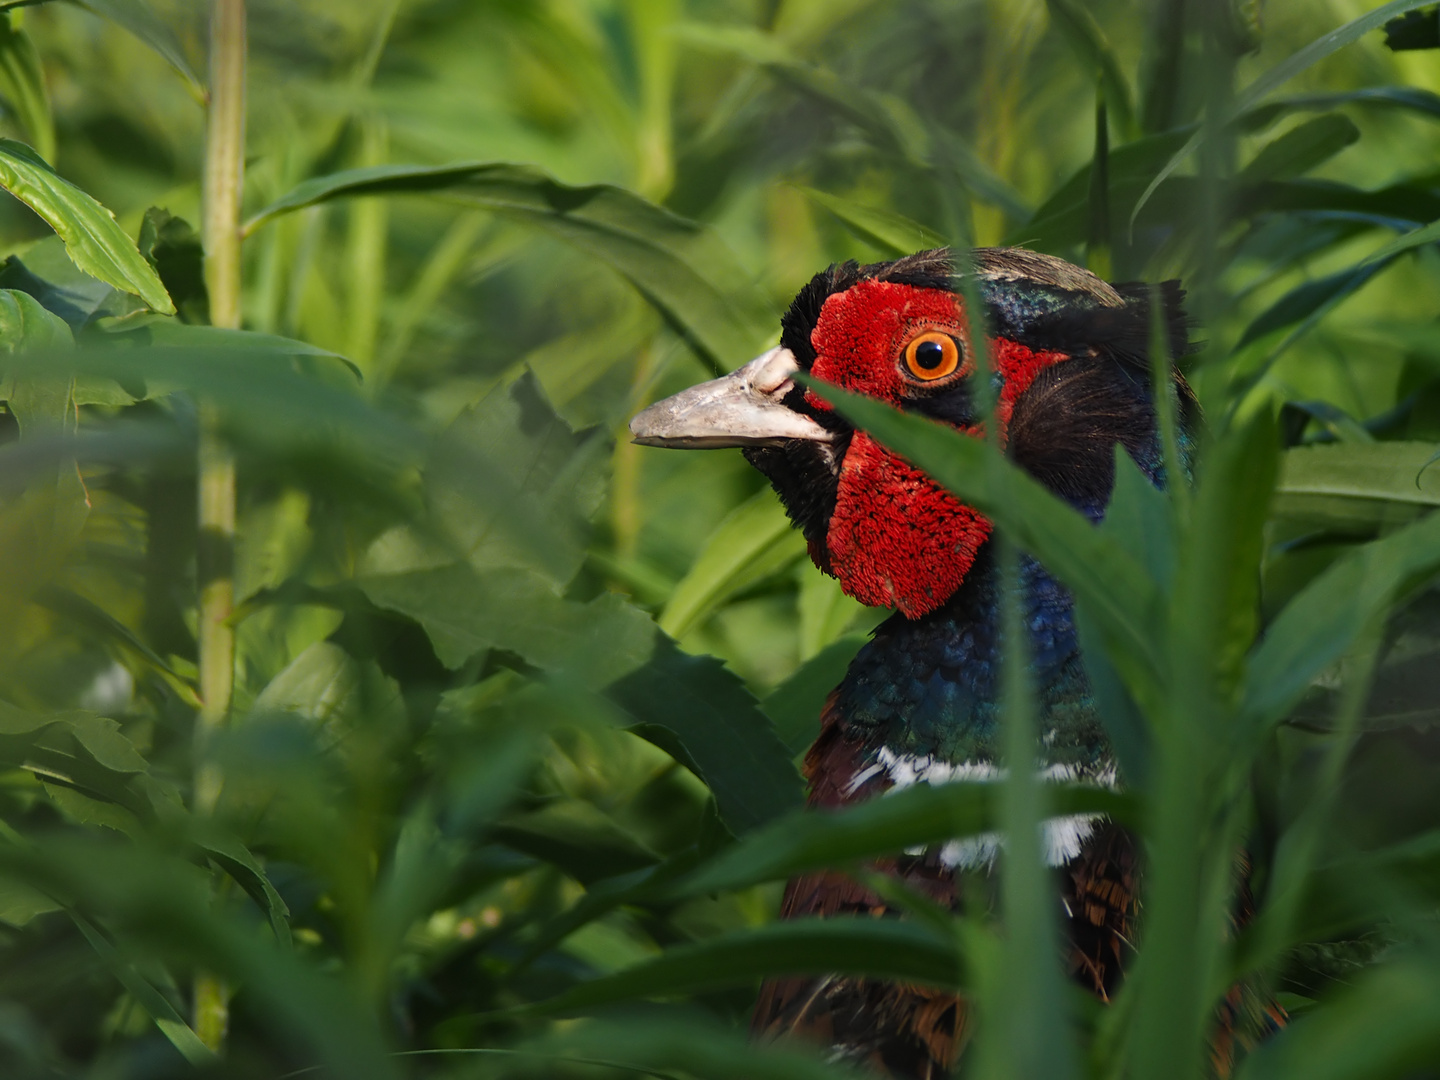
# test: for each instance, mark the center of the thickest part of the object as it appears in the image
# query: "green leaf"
(512, 485)
(1324, 620)
(22, 87)
(1282, 73)
(170, 1023)
(1427, 234)
(1121, 597)
(892, 948)
(173, 247)
(1394, 471)
(1301, 149)
(912, 817)
(1310, 301)
(1079, 27)
(754, 542)
(137, 17)
(894, 234)
(25, 324)
(794, 706)
(887, 120)
(703, 716)
(93, 239)
(682, 268)
(465, 612)
(47, 274)
(1387, 1024)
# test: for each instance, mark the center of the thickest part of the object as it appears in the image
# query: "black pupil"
(929, 355)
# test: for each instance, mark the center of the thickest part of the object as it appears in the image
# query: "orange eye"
(932, 355)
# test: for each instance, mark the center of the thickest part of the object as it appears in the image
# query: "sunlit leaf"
(93, 239)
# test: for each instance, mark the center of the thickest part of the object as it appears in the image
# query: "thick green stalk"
(223, 181)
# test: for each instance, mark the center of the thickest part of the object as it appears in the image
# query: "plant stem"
(223, 182)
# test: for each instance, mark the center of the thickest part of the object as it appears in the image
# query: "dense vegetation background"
(515, 702)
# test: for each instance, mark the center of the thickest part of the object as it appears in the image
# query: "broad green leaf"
(894, 234)
(93, 239)
(137, 17)
(681, 267)
(794, 706)
(753, 543)
(22, 87)
(1301, 149)
(1394, 471)
(1323, 621)
(465, 612)
(916, 816)
(1120, 595)
(19, 902)
(702, 715)
(25, 324)
(512, 485)
(892, 948)
(689, 706)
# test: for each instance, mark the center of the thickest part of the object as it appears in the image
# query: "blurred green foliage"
(509, 689)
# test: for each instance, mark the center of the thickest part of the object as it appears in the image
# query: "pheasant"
(919, 703)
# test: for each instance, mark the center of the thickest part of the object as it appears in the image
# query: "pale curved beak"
(743, 408)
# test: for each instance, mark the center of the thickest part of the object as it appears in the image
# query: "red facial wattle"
(897, 539)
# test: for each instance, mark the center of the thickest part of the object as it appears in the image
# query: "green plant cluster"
(507, 785)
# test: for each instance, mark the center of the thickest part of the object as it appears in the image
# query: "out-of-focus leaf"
(1394, 471)
(888, 121)
(513, 486)
(19, 902)
(241, 865)
(83, 751)
(22, 87)
(754, 542)
(1407, 98)
(1415, 30)
(1324, 620)
(681, 267)
(577, 838)
(93, 239)
(170, 1023)
(1301, 149)
(892, 233)
(1064, 217)
(1282, 73)
(794, 706)
(685, 1046)
(1386, 1025)
(1310, 300)
(26, 324)
(916, 816)
(137, 17)
(1085, 35)
(465, 611)
(703, 716)
(892, 948)
(1427, 234)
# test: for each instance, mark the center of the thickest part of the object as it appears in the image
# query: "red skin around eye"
(896, 538)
